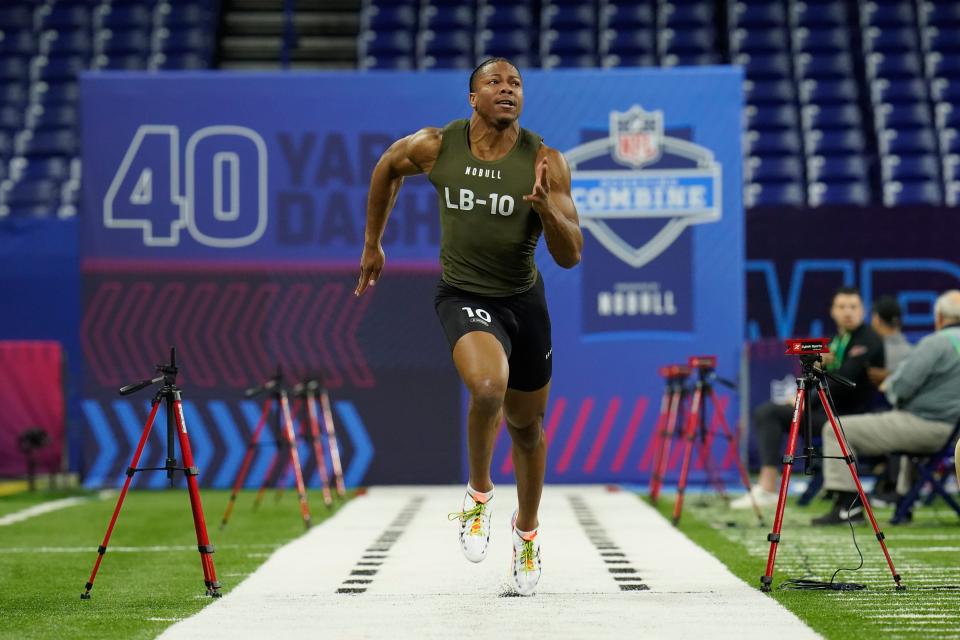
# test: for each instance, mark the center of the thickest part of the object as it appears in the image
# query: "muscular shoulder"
(424, 146)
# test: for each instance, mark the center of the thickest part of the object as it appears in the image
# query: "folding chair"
(934, 470)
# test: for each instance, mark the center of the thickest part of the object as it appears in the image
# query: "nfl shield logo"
(637, 136)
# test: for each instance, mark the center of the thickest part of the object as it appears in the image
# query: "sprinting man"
(499, 188)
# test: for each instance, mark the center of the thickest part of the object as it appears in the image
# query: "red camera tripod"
(809, 350)
(671, 407)
(170, 395)
(706, 367)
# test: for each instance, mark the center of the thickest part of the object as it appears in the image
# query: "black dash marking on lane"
(376, 554)
(609, 552)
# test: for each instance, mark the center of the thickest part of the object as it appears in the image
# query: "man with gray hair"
(925, 393)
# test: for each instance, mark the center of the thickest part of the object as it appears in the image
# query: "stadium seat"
(843, 193)
(907, 168)
(568, 17)
(949, 141)
(627, 42)
(17, 43)
(686, 40)
(692, 15)
(56, 142)
(507, 43)
(819, 14)
(56, 93)
(29, 169)
(769, 92)
(898, 91)
(945, 90)
(184, 13)
(506, 17)
(946, 115)
(774, 194)
(132, 17)
(14, 69)
(122, 62)
(893, 65)
(624, 14)
(764, 118)
(391, 62)
(764, 16)
(456, 17)
(942, 39)
(388, 18)
(33, 192)
(758, 41)
(772, 143)
(836, 169)
(888, 14)
(689, 59)
(890, 40)
(906, 141)
(843, 116)
(66, 17)
(835, 142)
(766, 169)
(448, 43)
(904, 116)
(446, 62)
(65, 43)
(183, 40)
(13, 18)
(920, 192)
(178, 61)
(825, 66)
(763, 66)
(386, 43)
(578, 42)
(630, 60)
(55, 117)
(821, 39)
(60, 69)
(945, 66)
(941, 13)
(571, 61)
(11, 119)
(828, 91)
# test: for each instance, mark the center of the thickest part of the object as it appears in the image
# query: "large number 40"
(217, 206)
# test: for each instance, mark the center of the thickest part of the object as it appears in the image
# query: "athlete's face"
(498, 93)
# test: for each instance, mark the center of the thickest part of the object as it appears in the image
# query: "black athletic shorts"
(520, 322)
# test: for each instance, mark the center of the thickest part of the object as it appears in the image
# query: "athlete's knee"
(486, 394)
(528, 435)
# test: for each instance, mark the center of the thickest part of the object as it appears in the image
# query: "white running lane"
(423, 588)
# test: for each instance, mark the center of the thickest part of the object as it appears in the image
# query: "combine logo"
(680, 196)
(637, 186)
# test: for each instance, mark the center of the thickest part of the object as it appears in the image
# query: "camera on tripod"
(807, 346)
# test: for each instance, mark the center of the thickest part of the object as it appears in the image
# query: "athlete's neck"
(488, 142)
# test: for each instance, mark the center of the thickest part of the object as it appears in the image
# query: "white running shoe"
(526, 560)
(474, 526)
(764, 499)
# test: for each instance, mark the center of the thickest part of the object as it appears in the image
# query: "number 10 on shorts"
(478, 313)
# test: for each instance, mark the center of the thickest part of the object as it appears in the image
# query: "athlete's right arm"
(407, 156)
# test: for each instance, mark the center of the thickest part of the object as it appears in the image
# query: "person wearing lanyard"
(925, 391)
(855, 349)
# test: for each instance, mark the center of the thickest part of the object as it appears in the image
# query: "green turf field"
(926, 553)
(150, 576)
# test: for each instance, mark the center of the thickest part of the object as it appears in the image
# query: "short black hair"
(847, 291)
(492, 60)
(888, 308)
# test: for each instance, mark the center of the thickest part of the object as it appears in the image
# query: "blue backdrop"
(225, 213)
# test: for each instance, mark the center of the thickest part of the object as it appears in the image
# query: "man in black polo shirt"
(854, 350)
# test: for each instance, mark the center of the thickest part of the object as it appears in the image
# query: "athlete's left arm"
(552, 201)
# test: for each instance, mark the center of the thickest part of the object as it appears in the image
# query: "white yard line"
(39, 510)
(425, 589)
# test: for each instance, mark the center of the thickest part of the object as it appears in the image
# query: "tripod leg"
(767, 579)
(123, 494)
(247, 460)
(295, 459)
(732, 438)
(332, 441)
(199, 523)
(660, 470)
(852, 465)
(280, 439)
(659, 433)
(314, 424)
(690, 435)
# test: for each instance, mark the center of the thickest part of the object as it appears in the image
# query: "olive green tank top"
(488, 231)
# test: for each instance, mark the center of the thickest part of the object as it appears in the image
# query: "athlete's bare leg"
(524, 412)
(482, 365)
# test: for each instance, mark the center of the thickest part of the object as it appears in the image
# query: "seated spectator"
(924, 390)
(854, 349)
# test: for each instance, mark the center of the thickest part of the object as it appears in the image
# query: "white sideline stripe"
(426, 590)
(39, 510)
(149, 549)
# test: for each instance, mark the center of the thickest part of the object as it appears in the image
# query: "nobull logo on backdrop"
(638, 185)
